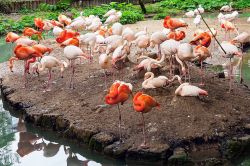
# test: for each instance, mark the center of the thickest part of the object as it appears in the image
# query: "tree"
(143, 9)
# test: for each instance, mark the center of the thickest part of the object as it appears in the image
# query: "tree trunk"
(143, 9)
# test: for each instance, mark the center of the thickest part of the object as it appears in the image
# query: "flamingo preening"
(119, 93)
(144, 103)
(27, 54)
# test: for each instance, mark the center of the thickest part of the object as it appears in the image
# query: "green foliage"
(208, 5)
(60, 6)
(130, 17)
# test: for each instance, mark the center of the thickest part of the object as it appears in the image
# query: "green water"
(5, 51)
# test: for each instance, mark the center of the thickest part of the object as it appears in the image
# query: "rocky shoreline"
(177, 151)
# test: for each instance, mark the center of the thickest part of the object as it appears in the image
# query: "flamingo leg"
(72, 74)
(105, 79)
(230, 76)
(241, 63)
(120, 121)
(143, 145)
(171, 65)
(24, 74)
(202, 74)
(49, 81)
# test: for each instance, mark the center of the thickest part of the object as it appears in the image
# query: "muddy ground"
(179, 120)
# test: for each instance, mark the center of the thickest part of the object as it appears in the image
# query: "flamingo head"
(203, 93)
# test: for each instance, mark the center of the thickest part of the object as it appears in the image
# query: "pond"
(24, 145)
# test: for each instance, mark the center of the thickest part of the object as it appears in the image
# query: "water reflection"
(236, 68)
(23, 145)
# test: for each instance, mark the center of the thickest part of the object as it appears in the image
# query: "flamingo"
(228, 26)
(11, 37)
(176, 35)
(119, 93)
(142, 42)
(90, 40)
(144, 103)
(190, 14)
(39, 23)
(116, 29)
(113, 18)
(149, 63)
(24, 53)
(25, 41)
(168, 49)
(57, 30)
(203, 39)
(110, 12)
(231, 51)
(157, 38)
(72, 52)
(71, 41)
(128, 34)
(64, 19)
(185, 54)
(202, 53)
(42, 49)
(186, 89)
(113, 42)
(173, 24)
(227, 8)
(199, 10)
(66, 34)
(242, 39)
(197, 20)
(150, 82)
(49, 62)
(77, 25)
(105, 63)
(248, 20)
(30, 32)
(120, 53)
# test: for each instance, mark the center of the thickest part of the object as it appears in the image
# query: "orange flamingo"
(25, 53)
(176, 35)
(202, 53)
(203, 39)
(11, 37)
(144, 103)
(39, 23)
(119, 93)
(66, 34)
(30, 32)
(173, 24)
(71, 41)
(42, 48)
(228, 26)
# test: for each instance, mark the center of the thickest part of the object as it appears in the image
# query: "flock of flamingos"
(112, 42)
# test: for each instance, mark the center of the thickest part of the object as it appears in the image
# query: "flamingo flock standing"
(112, 41)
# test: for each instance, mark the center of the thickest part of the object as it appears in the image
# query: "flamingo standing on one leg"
(144, 103)
(119, 93)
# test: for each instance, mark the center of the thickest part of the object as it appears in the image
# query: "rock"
(153, 153)
(84, 135)
(61, 123)
(221, 75)
(116, 150)
(212, 162)
(101, 140)
(247, 128)
(179, 157)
